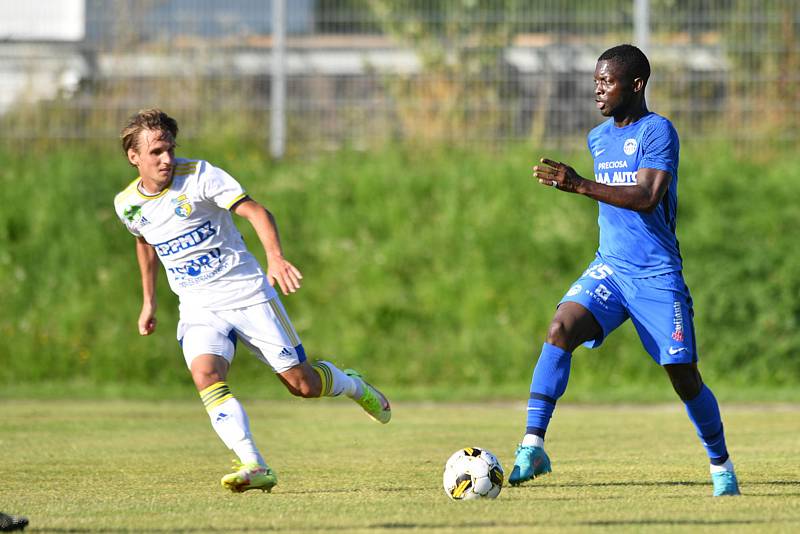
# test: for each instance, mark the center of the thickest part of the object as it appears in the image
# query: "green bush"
(435, 270)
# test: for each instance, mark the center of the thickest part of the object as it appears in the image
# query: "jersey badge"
(133, 214)
(183, 208)
(630, 146)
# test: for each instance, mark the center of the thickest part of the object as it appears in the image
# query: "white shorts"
(264, 328)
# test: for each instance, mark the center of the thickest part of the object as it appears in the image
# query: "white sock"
(230, 422)
(532, 440)
(727, 466)
(335, 382)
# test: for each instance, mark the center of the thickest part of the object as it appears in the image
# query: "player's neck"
(631, 115)
(152, 187)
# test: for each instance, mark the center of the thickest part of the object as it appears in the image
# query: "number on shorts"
(599, 271)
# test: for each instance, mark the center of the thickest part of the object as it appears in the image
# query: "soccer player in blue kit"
(637, 270)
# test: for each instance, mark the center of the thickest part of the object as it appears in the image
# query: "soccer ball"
(472, 473)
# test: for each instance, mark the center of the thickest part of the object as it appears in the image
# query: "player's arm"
(651, 185)
(148, 268)
(278, 268)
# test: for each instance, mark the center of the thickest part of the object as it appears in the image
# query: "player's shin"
(704, 413)
(230, 422)
(550, 377)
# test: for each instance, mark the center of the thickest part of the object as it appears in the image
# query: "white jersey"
(190, 226)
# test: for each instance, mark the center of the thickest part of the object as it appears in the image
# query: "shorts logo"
(602, 292)
(677, 321)
(574, 290)
(182, 206)
(285, 352)
(675, 350)
(630, 146)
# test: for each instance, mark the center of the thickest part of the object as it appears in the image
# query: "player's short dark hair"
(147, 119)
(631, 59)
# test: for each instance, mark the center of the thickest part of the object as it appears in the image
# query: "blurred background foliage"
(435, 270)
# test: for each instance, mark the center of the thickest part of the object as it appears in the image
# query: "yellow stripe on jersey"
(129, 190)
(185, 168)
(215, 394)
(235, 200)
(285, 323)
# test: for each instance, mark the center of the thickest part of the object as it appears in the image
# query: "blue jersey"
(637, 244)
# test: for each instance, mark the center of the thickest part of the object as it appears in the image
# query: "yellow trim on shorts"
(286, 324)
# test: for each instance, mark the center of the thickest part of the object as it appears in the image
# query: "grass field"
(121, 466)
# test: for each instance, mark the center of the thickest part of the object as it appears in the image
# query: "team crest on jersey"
(183, 207)
(630, 146)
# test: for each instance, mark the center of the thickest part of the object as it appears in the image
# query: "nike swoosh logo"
(673, 351)
(599, 151)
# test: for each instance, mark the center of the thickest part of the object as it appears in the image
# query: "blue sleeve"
(660, 148)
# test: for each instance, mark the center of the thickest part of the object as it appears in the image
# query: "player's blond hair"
(147, 119)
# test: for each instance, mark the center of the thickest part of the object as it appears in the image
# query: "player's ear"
(638, 85)
(133, 157)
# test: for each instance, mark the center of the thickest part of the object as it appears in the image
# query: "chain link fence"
(365, 72)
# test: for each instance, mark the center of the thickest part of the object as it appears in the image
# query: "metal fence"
(362, 72)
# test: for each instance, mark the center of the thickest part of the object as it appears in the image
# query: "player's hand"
(558, 175)
(147, 321)
(287, 275)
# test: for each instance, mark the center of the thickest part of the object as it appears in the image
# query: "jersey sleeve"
(660, 148)
(128, 214)
(220, 187)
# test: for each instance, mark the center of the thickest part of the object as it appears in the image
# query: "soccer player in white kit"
(179, 211)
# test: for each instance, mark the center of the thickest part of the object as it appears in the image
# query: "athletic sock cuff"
(215, 394)
(325, 375)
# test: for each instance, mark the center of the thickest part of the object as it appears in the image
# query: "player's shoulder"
(123, 197)
(659, 124)
(189, 167)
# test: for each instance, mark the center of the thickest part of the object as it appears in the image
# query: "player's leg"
(589, 311)
(208, 353)
(703, 410)
(268, 332)
(663, 317)
(10, 523)
(324, 379)
(572, 325)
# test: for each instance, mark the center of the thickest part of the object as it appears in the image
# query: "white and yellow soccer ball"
(472, 473)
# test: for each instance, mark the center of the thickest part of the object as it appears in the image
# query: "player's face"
(612, 90)
(155, 158)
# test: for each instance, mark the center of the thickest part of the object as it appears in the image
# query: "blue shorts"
(659, 306)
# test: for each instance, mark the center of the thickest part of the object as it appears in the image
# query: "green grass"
(124, 466)
(424, 268)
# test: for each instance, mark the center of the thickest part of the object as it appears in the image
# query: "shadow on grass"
(448, 526)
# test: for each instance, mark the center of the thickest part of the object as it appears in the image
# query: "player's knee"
(559, 334)
(686, 381)
(203, 378)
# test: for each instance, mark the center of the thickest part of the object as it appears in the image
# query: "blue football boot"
(530, 463)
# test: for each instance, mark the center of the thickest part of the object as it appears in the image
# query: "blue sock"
(550, 377)
(703, 411)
